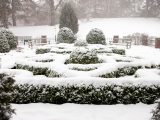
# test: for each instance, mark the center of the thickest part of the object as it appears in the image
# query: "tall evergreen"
(68, 18)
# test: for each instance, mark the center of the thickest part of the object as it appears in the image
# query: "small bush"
(65, 35)
(119, 51)
(80, 43)
(96, 36)
(156, 113)
(83, 56)
(4, 46)
(10, 38)
(42, 51)
(38, 70)
(6, 89)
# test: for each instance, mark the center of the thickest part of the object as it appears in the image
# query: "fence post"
(157, 43)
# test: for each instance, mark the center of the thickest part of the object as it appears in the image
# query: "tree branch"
(56, 7)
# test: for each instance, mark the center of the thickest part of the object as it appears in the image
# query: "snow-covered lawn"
(110, 27)
(82, 112)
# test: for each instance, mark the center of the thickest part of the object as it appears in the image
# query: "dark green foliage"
(68, 18)
(156, 113)
(65, 35)
(120, 72)
(96, 36)
(38, 70)
(6, 89)
(119, 51)
(83, 56)
(42, 51)
(4, 46)
(10, 38)
(108, 94)
(44, 61)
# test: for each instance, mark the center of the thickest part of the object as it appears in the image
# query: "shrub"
(83, 56)
(86, 94)
(6, 89)
(65, 35)
(156, 113)
(119, 51)
(10, 37)
(68, 18)
(4, 46)
(42, 51)
(80, 43)
(38, 70)
(96, 36)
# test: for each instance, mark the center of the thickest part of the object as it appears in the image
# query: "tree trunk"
(14, 13)
(52, 12)
(4, 14)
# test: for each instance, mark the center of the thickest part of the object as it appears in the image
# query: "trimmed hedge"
(156, 113)
(84, 69)
(44, 61)
(120, 72)
(42, 51)
(108, 94)
(38, 70)
(119, 51)
(6, 90)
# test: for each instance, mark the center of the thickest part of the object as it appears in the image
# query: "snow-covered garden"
(113, 82)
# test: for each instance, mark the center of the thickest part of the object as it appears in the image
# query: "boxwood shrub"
(6, 90)
(38, 70)
(156, 113)
(107, 94)
(119, 51)
(42, 51)
(82, 55)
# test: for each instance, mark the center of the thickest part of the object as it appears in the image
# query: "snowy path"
(82, 112)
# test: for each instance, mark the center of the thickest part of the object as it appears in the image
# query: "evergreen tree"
(68, 18)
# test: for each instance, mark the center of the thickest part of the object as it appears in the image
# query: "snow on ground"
(110, 27)
(82, 112)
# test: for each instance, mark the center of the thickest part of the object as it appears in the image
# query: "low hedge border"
(38, 70)
(121, 72)
(108, 94)
(42, 51)
(119, 51)
(83, 69)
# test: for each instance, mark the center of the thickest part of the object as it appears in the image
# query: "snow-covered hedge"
(86, 94)
(80, 43)
(83, 56)
(96, 36)
(42, 51)
(6, 89)
(10, 38)
(65, 35)
(119, 51)
(4, 46)
(120, 72)
(38, 70)
(156, 113)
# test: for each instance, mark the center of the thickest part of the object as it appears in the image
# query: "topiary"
(10, 37)
(4, 46)
(83, 56)
(65, 35)
(6, 89)
(156, 113)
(96, 36)
(80, 43)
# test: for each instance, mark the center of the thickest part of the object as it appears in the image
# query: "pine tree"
(68, 18)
